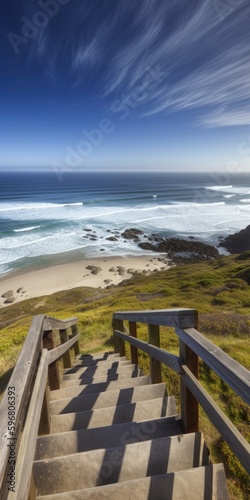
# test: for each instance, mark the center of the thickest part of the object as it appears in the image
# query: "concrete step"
(100, 355)
(106, 437)
(78, 371)
(143, 410)
(125, 463)
(102, 363)
(74, 382)
(172, 486)
(79, 388)
(107, 399)
(102, 376)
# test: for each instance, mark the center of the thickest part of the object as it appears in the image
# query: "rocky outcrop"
(237, 242)
(8, 294)
(145, 245)
(180, 251)
(131, 234)
(112, 238)
(9, 300)
(94, 269)
(121, 270)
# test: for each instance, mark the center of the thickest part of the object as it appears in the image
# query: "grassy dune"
(219, 289)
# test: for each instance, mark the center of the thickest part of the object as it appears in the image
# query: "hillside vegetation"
(219, 289)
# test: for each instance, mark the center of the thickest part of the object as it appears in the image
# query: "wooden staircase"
(87, 427)
(115, 434)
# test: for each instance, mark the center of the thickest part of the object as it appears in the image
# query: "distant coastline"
(104, 272)
(44, 222)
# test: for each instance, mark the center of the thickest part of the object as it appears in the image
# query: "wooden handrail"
(28, 386)
(192, 345)
(182, 318)
(28, 442)
(57, 324)
(59, 351)
(21, 381)
(228, 431)
(229, 370)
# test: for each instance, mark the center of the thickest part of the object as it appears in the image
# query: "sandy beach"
(97, 273)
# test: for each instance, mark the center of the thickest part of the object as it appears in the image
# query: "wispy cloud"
(86, 54)
(205, 55)
(206, 58)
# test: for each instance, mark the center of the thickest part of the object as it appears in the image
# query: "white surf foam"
(229, 189)
(7, 207)
(178, 218)
(218, 188)
(25, 229)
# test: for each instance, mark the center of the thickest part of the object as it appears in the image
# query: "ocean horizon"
(45, 219)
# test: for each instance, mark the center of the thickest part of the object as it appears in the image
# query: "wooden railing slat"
(155, 365)
(165, 357)
(231, 372)
(74, 331)
(133, 349)
(66, 357)
(53, 371)
(121, 343)
(59, 351)
(228, 431)
(27, 448)
(21, 380)
(189, 404)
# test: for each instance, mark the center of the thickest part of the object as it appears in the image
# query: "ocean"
(44, 218)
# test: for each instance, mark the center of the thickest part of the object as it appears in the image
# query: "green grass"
(219, 289)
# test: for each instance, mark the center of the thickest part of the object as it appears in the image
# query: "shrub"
(236, 284)
(222, 298)
(205, 282)
(225, 324)
(244, 275)
(243, 256)
(188, 285)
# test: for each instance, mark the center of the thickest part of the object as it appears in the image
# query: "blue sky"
(125, 84)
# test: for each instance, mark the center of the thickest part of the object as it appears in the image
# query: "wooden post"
(118, 325)
(189, 405)
(133, 349)
(115, 338)
(53, 370)
(74, 330)
(32, 492)
(44, 426)
(66, 357)
(155, 365)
